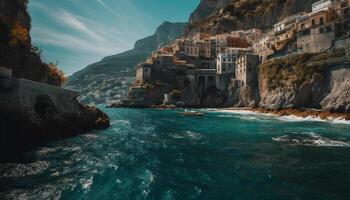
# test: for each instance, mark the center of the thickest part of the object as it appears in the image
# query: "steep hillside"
(109, 78)
(205, 8)
(250, 14)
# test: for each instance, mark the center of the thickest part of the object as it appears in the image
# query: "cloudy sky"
(79, 32)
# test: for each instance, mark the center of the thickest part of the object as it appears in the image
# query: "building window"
(313, 22)
(321, 21)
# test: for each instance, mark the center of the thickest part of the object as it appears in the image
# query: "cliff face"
(300, 81)
(16, 51)
(110, 78)
(206, 8)
(231, 15)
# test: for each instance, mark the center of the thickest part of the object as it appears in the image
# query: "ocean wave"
(293, 118)
(12, 170)
(287, 118)
(86, 184)
(120, 122)
(311, 139)
(188, 135)
(45, 150)
(45, 192)
(90, 136)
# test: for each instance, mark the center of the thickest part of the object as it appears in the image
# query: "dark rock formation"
(20, 130)
(110, 78)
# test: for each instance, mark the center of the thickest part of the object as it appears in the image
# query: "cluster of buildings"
(214, 60)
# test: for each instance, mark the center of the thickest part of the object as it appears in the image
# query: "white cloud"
(73, 22)
(67, 41)
(108, 8)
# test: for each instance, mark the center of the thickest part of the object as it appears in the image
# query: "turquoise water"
(157, 154)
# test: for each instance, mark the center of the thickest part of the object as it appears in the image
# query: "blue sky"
(80, 32)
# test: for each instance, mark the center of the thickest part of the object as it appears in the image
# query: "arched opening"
(44, 106)
(211, 82)
(201, 82)
(321, 21)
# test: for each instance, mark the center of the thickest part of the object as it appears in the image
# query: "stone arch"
(211, 81)
(44, 106)
(201, 81)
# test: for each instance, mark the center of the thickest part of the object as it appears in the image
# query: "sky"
(75, 33)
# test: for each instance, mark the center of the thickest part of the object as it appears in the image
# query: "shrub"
(57, 76)
(19, 36)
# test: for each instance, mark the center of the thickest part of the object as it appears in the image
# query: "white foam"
(86, 184)
(311, 139)
(20, 170)
(287, 118)
(45, 150)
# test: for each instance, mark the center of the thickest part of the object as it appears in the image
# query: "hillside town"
(214, 61)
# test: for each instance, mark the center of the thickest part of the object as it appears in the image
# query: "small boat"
(191, 113)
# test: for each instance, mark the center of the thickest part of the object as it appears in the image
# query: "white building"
(226, 59)
(321, 5)
(287, 22)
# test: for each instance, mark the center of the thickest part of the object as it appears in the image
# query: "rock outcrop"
(338, 91)
(20, 131)
(110, 78)
(306, 81)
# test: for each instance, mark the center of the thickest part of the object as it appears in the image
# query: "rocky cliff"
(215, 16)
(206, 8)
(48, 118)
(16, 51)
(110, 78)
(320, 81)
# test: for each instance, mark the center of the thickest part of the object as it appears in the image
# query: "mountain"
(110, 78)
(219, 16)
(205, 8)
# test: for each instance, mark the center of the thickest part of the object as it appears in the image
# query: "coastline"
(294, 114)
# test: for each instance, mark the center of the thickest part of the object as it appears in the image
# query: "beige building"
(316, 32)
(192, 49)
(246, 68)
(144, 72)
(226, 59)
(263, 47)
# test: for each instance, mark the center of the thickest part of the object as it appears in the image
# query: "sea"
(162, 155)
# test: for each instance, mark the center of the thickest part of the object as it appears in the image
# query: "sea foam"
(311, 139)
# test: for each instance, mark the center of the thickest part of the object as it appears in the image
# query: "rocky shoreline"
(21, 131)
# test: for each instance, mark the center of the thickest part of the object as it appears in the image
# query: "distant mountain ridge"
(110, 77)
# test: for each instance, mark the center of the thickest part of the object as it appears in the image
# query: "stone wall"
(21, 94)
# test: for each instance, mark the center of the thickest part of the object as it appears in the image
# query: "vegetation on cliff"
(294, 70)
(16, 49)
